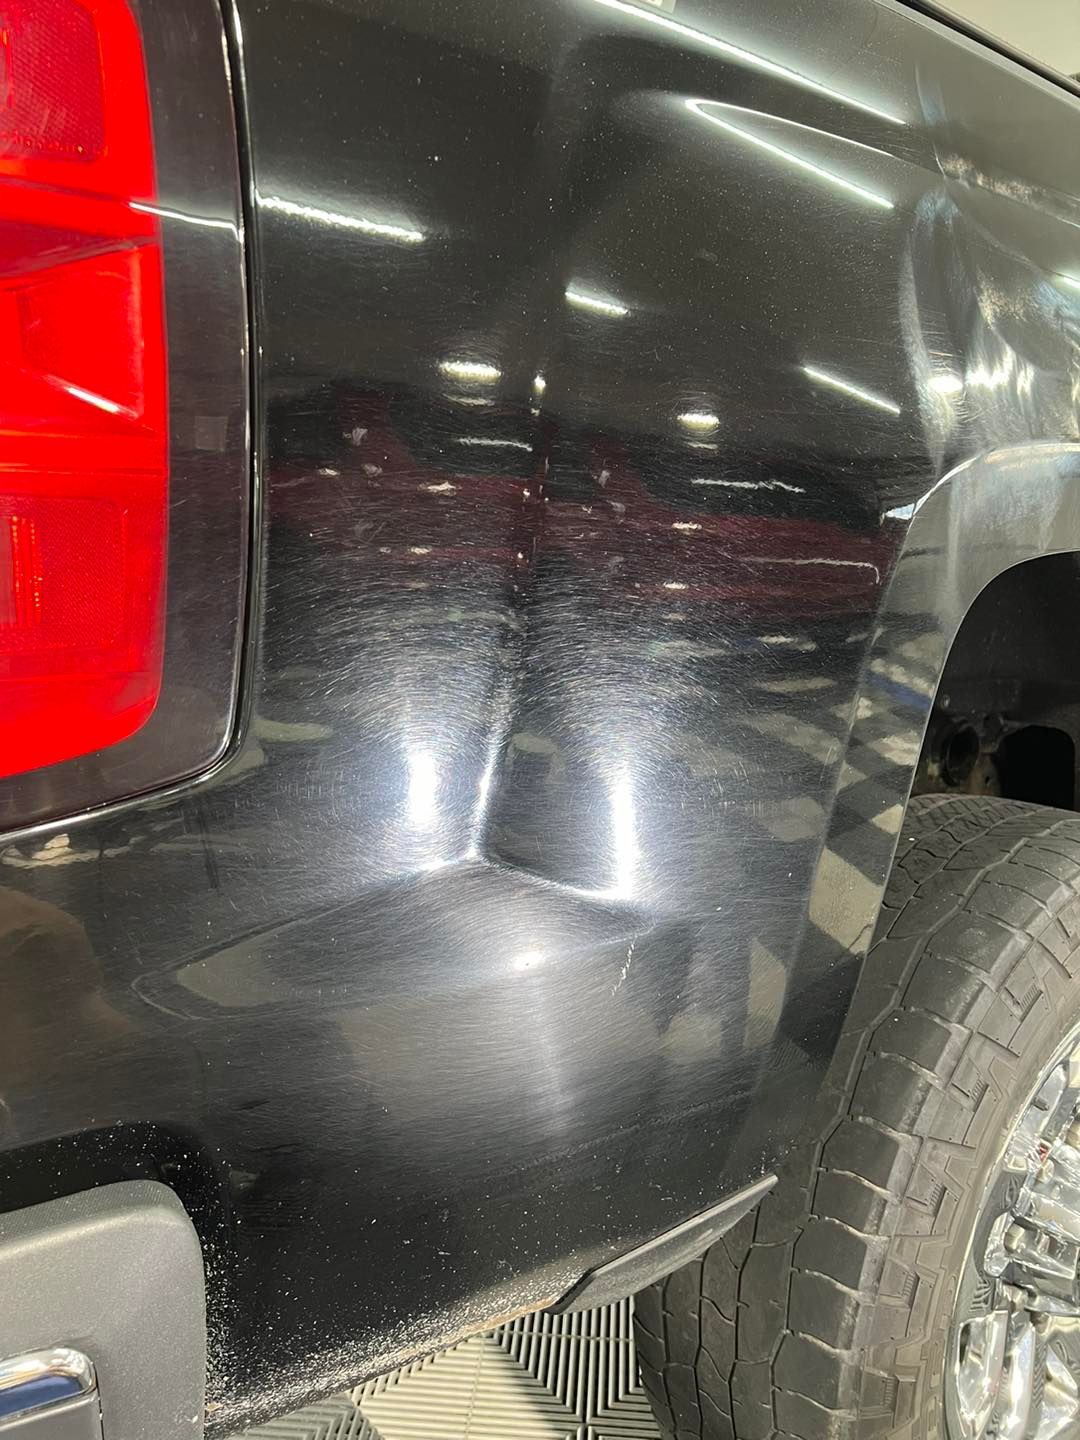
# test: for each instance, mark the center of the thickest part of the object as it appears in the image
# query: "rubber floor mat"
(543, 1377)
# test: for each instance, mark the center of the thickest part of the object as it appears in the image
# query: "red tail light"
(83, 384)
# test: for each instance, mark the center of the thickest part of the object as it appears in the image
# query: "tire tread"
(979, 930)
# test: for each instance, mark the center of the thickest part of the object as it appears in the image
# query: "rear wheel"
(914, 1272)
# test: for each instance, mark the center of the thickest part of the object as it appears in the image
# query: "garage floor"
(545, 1377)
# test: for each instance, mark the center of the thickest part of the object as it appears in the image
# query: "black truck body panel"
(642, 397)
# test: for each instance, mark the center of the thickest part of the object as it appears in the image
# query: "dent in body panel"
(644, 406)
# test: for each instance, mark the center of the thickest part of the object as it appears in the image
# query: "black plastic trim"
(640, 1267)
(116, 1272)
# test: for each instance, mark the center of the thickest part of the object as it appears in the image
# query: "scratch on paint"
(626, 967)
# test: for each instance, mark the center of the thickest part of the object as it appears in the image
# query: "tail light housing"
(83, 404)
(122, 400)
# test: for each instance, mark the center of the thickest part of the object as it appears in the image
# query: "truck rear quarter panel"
(644, 393)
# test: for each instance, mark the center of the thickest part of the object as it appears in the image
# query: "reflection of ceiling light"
(528, 960)
(422, 800)
(493, 442)
(594, 302)
(815, 560)
(787, 155)
(699, 420)
(752, 485)
(835, 383)
(341, 221)
(796, 642)
(946, 383)
(625, 851)
(745, 57)
(685, 525)
(470, 370)
(91, 397)
(989, 379)
(674, 585)
(1071, 280)
(539, 384)
(165, 213)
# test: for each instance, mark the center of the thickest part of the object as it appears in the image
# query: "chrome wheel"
(1014, 1359)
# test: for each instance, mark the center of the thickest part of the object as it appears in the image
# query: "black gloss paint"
(647, 394)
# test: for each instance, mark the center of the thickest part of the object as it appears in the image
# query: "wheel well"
(1006, 718)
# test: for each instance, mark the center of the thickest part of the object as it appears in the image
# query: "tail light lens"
(124, 454)
(83, 389)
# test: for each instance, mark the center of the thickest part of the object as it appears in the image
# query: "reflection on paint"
(835, 382)
(478, 370)
(423, 789)
(745, 57)
(789, 157)
(624, 845)
(584, 301)
(381, 229)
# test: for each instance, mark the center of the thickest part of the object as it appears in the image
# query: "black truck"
(539, 707)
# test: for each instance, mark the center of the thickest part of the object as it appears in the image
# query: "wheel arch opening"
(1006, 715)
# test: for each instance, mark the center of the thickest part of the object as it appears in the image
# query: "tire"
(825, 1315)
